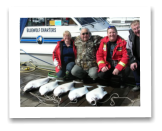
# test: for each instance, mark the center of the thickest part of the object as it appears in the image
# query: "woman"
(64, 55)
(111, 55)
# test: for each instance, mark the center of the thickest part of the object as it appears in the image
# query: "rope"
(42, 100)
(47, 98)
(33, 67)
(35, 57)
(112, 99)
(27, 68)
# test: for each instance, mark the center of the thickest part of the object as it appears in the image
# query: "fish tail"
(77, 81)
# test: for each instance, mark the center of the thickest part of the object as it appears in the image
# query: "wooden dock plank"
(32, 102)
(26, 95)
(25, 80)
(47, 105)
(121, 93)
(43, 73)
(133, 96)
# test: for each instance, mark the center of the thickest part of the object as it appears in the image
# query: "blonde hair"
(135, 22)
(67, 33)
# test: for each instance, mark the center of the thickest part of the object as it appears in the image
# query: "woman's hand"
(115, 71)
(59, 67)
(104, 69)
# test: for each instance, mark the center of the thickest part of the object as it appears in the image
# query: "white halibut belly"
(76, 93)
(95, 94)
(64, 88)
(36, 83)
(49, 87)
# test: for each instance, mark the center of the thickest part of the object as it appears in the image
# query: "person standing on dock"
(85, 63)
(64, 56)
(112, 57)
(133, 44)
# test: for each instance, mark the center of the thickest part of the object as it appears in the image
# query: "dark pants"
(108, 74)
(65, 67)
(136, 74)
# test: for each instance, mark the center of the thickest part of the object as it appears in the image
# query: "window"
(57, 21)
(104, 18)
(85, 20)
(98, 19)
(54, 21)
(36, 22)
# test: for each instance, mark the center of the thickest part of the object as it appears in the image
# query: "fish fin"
(76, 81)
(101, 86)
(60, 80)
(88, 86)
(105, 92)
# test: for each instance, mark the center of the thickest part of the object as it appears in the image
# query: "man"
(86, 46)
(133, 44)
(112, 56)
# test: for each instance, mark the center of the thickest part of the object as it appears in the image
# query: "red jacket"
(119, 54)
(57, 54)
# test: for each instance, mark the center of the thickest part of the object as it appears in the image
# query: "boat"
(39, 36)
(121, 22)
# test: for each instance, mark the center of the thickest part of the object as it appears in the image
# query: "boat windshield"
(85, 20)
(98, 19)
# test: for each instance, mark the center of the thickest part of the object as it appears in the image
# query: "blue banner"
(23, 22)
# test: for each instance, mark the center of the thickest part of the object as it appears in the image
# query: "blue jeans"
(65, 67)
(136, 74)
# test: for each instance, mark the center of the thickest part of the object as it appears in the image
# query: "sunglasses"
(111, 27)
(85, 33)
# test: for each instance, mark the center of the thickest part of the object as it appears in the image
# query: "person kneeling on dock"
(86, 46)
(112, 56)
(64, 56)
(133, 44)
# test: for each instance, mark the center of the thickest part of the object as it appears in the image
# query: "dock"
(29, 100)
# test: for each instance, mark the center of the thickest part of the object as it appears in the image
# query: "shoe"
(122, 86)
(122, 83)
(68, 76)
(136, 88)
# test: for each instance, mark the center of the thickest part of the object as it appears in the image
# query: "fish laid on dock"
(49, 87)
(36, 83)
(64, 88)
(95, 94)
(79, 92)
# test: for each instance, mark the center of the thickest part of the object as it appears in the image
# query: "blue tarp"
(23, 22)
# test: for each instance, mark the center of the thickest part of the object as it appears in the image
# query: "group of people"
(98, 57)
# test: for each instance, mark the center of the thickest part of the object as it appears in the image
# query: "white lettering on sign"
(41, 29)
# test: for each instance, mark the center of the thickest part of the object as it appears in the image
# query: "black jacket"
(131, 47)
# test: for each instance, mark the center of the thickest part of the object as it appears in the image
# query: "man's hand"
(104, 69)
(115, 71)
(133, 66)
